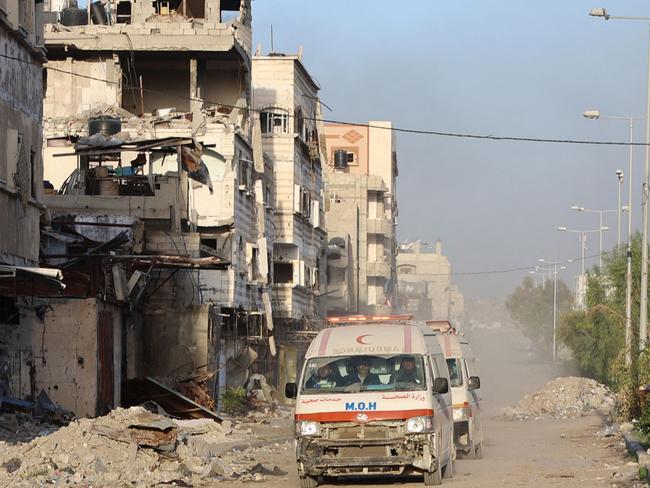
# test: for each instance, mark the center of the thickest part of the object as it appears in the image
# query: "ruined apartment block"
(150, 73)
(21, 96)
(286, 97)
(425, 284)
(21, 281)
(361, 213)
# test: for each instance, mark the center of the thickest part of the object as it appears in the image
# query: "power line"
(511, 270)
(458, 135)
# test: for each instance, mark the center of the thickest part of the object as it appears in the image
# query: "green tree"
(596, 336)
(531, 306)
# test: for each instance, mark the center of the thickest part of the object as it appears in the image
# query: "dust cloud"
(509, 365)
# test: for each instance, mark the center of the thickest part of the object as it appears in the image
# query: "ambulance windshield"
(350, 374)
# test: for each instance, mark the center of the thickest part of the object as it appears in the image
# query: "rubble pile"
(195, 387)
(133, 447)
(564, 398)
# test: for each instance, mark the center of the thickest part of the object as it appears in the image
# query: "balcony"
(379, 226)
(378, 269)
(376, 183)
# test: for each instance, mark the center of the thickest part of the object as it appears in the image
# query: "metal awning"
(27, 281)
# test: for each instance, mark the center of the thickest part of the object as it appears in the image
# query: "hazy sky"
(506, 67)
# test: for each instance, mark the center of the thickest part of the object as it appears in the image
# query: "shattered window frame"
(272, 118)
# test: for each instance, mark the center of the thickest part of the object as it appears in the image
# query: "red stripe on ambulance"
(351, 416)
(323, 342)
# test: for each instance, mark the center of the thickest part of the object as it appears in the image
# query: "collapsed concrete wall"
(189, 340)
(78, 355)
(17, 320)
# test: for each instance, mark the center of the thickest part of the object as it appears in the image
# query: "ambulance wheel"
(448, 471)
(308, 482)
(475, 450)
(431, 479)
(478, 451)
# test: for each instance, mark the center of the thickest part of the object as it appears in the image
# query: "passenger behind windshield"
(455, 374)
(407, 372)
(364, 373)
(325, 377)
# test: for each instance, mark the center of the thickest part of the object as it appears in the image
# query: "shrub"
(233, 401)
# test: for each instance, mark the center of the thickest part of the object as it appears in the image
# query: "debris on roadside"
(564, 398)
(195, 387)
(136, 447)
(158, 397)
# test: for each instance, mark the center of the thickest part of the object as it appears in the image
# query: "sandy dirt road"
(542, 453)
(535, 453)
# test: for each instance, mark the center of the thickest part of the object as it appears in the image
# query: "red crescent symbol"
(361, 337)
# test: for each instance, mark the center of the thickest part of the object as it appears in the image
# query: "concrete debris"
(195, 387)
(564, 398)
(137, 447)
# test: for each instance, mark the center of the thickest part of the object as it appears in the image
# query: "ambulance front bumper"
(341, 457)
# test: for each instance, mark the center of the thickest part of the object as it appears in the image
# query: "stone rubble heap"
(133, 447)
(564, 398)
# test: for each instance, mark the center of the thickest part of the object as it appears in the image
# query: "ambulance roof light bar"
(367, 319)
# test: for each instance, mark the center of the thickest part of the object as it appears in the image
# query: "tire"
(448, 470)
(432, 479)
(308, 482)
(475, 450)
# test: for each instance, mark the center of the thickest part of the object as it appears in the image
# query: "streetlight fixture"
(600, 213)
(643, 322)
(582, 241)
(595, 114)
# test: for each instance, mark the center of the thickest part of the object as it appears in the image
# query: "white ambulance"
(465, 388)
(372, 400)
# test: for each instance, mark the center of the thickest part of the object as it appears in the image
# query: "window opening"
(282, 272)
(274, 121)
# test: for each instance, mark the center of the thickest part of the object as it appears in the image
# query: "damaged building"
(23, 284)
(159, 195)
(426, 288)
(286, 98)
(361, 213)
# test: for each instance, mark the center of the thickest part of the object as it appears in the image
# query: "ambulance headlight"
(308, 428)
(417, 425)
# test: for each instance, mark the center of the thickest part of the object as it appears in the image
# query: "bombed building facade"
(286, 97)
(22, 282)
(159, 198)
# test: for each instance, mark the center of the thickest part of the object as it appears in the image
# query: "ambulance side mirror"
(291, 390)
(474, 383)
(440, 385)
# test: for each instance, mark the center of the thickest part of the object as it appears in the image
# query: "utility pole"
(554, 308)
(643, 323)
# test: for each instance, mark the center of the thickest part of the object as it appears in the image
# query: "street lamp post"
(619, 175)
(600, 212)
(554, 266)
(584, 233)
(595, 114)
(643, 322)
(582, 236)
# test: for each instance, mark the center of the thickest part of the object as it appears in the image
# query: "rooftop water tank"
(104, 124)
(72, 16)
(340, 159)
